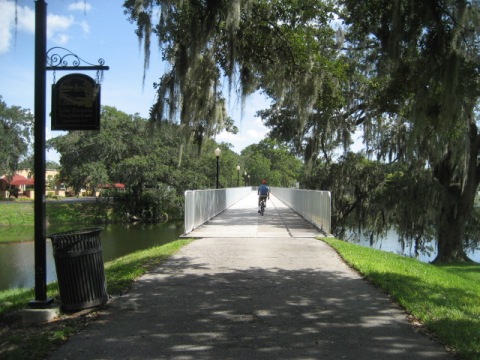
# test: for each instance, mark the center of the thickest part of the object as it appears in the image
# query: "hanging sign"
(76, 103)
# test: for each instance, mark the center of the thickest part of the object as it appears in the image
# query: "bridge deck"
(242, 220)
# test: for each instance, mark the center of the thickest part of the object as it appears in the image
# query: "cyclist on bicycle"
(263, 193)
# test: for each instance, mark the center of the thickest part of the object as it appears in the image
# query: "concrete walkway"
(265, 295)
(242, 220)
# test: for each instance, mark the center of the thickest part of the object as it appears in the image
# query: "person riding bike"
(263, 193)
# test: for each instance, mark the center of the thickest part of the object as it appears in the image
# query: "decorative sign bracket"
(59, 60)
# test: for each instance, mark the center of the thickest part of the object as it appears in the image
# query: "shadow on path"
(252, 299)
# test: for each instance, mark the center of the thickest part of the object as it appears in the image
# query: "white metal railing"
(202, 205)
(313, 205)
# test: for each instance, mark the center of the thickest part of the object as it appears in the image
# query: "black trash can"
(80, 270)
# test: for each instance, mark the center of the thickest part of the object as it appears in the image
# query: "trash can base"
(84, 305)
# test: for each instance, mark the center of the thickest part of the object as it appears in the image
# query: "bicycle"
(263, 203)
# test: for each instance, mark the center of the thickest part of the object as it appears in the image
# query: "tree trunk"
(457, 201)
(451, 231)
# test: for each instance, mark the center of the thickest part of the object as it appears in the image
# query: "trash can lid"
(74, 232)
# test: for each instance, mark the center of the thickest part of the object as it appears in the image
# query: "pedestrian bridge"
(232, 212)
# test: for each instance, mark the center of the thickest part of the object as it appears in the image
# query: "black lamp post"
(41, 300)
(238, 175)
(245, 177)
(248, 180)
(217, 155)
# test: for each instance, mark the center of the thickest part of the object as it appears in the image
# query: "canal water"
(17, 259)
(390, 242)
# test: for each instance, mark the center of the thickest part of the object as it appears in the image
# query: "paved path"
(268, 295)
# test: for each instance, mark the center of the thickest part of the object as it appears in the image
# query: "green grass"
(21, 213)
(16, 213)
(17, 219)
(17, 343)
(445, 298)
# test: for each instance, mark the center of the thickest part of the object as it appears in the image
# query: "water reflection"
(17, 265)
(392, 244)
(119, 240)
(17, 259)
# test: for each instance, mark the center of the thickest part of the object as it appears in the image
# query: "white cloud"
(58, 24)
(227, 136)
(258, 122)
(251, 128)
(6, 17)
(255, 134)
(61, 39)
(80, 6)
(251, 132)
(25, 22)
(26, 19)
(85, 26)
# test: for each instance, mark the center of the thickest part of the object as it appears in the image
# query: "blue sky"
(97, 29)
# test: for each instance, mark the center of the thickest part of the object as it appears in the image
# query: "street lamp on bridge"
(238, 175)
(217, 155)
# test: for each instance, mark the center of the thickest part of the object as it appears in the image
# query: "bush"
(151, 206)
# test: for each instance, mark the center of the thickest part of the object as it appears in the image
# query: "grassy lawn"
(446, 299)
(16, 214)
(16, 218)
(21, 213)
